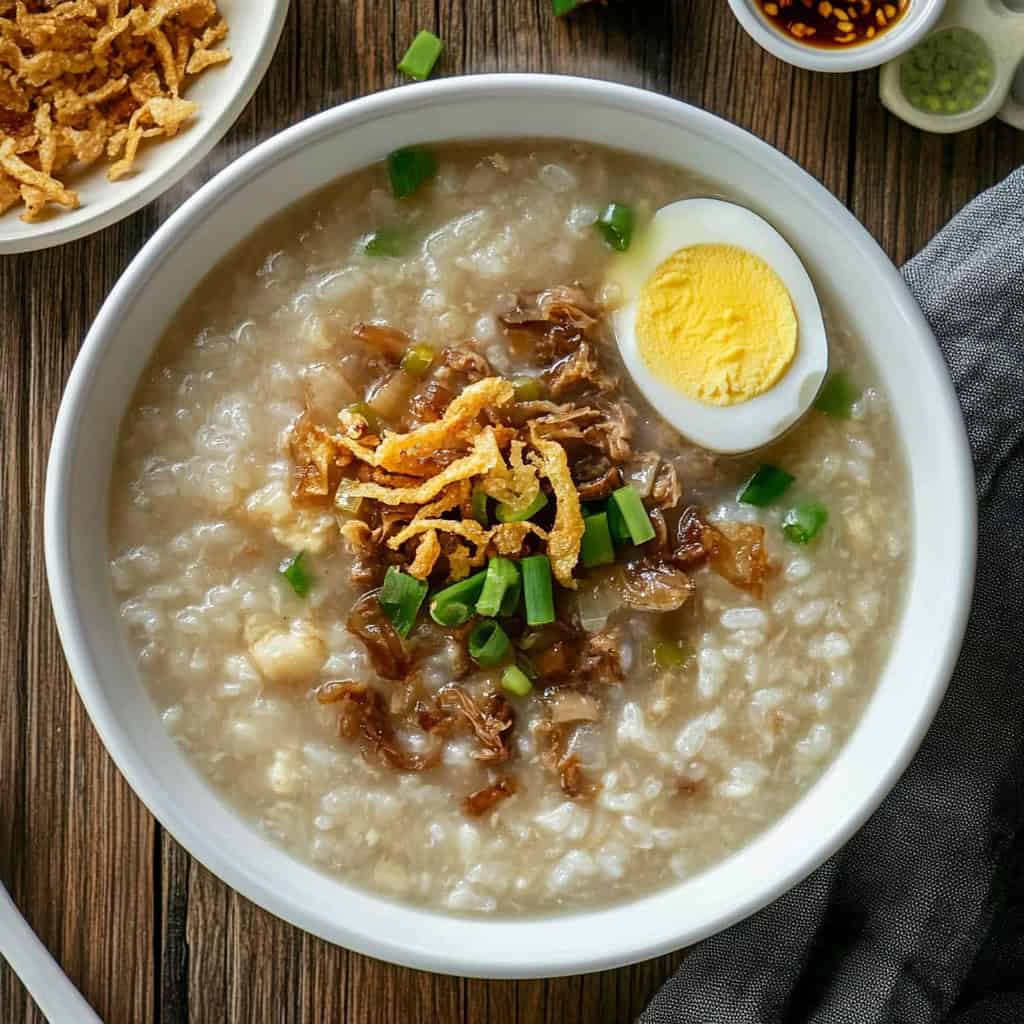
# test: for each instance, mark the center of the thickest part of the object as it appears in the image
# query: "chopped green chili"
(836, 396)
(387, 242)
(516, 514)
(803, 523)
(768, 484)
(401, 597)
(501, 574)
(669, 654)
(418, 359)
(296, 572)
(420, 58)
(454, 605)
(528, 389)
(634, 515)
(408, 169)
(537, 590)
(616, 226)
(480, 507)
(488, 643)
(596, 544)
(516, 681)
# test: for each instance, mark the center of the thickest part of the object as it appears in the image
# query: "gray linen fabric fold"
(920, 917)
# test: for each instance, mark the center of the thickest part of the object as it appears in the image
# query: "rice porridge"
(374, 540)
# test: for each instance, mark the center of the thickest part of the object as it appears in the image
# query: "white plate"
(221, 92)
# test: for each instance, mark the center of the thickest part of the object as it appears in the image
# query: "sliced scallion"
(616, 226)
(560, 7)
(488, 643)
(408, 169)
(454, 605)
(505, 513)
(634, 515)
(528, 389)
(418, 359)
(501, 574)
(596, 546)
(401, 597)
(479, 500)
(768, 484)
(616, 524)
(510, 602)
(669, 654)
(387, 243)
(803, 523)
(372, 419)
(836, 396)
(516, 681)
(537, 590)
(420, 58)
(296, 572)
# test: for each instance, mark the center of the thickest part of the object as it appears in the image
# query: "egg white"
(747, 425)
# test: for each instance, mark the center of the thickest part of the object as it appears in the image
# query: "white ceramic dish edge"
(901, 37)
(222, 96)
(895, 720)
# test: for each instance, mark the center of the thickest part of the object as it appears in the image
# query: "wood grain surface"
(146, 933)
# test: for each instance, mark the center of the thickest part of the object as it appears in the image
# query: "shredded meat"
(613, 431)
(480, 802)
(599, 660)
(387, 341)
(695, 540)
(363, 713)
(565, 305)
(656, 587)
(429, 402)
(387, 653)
(466, 362)
(666, 492)
(579, 371)
(573, 779)
(595, 477)
(491, 721)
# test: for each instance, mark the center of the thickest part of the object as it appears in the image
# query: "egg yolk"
(717, 323)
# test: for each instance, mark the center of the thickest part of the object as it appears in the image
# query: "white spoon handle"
(47, 984)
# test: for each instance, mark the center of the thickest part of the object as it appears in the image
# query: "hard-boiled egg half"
(719, 324)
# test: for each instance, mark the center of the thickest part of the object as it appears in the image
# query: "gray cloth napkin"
(920, 917)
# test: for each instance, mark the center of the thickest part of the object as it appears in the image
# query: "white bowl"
(221, 92)
(910, 29)
(857, 280)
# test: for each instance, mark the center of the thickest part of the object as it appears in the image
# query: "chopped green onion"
(516, 681)
(528, 389)
(634, 515)
(387, 242)
(417, 360)
(501, 574)
(802, 524)
(420, 58)
(516, 514)
(401, 597)
(488, 643)
(616, 226)
(480, 507)
(596, 545)
(372, 419)
(561, 7)
(296, 572)
(768, 484)
(454, 605)
(408, 169)
(836, 396)
(670, 654)
(540, 602)
(617, 525)
(510, 602)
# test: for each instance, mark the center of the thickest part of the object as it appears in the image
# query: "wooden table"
(146, 933)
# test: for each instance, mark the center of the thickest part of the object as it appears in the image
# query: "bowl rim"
(915, 25)
(476, 960)
(202, 135)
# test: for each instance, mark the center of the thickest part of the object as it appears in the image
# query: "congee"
(428, 592)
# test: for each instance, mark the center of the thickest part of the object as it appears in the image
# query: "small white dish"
(221, 92)
(909, 30)
(851, 274)
(1002, 31)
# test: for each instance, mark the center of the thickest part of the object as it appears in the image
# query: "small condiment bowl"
(1002, 32)
(904, 34)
